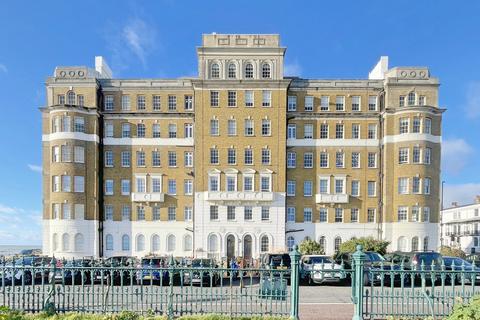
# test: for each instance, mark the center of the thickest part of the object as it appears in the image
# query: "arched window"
(155, 243)
(215, 71)
(402, 244)
(54, 242)
(290, 243)
(125, 242)
(171, 243)
(65, 242)
(140, 243)
(266, 71)
(109, 242)
(71, 97)
(249, 71)
(338, 242)
(187, 243)
(232, 71)
(264, 244)
(425, 244)
(475, 241)
(323, 243)
(415, 244)
(212, 243)
(79, 242)
(411, 98)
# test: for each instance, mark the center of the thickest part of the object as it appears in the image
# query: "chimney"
(477, 199)
(455, 204)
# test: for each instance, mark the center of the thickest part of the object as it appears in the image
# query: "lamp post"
(440, 215)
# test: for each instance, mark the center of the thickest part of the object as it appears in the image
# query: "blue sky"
(336, 39)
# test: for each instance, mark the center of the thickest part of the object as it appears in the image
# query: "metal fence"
(173, 290)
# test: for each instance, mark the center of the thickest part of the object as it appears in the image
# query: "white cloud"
(455, 155)
(35, 168)
(3, 68)
(293, 69)
(473, 100)
(461, 193)
(19, 226)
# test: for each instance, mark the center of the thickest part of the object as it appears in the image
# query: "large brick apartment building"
(239, 160)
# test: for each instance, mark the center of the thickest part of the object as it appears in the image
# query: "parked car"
(116, 270)
(26, 270)
(202, 272)
(73, 272)
(318, 269)
(277, 262)
(459, 265)
(152, 270)
(416, 260)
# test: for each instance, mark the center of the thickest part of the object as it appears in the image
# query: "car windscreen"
(374, 257)
(427, 258)
(202, 263)
(154, 262)
(277, 260)
(324, 260)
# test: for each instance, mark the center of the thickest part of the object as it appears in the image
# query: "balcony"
(147, 197)
(239, 196)
(331, 198)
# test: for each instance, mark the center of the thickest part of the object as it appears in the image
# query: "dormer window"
(266, 71)
(411, 98)
(232, 71)
(71, 98)
(249, 71)
(215, 71)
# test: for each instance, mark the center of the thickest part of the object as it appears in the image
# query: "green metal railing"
(173, 289)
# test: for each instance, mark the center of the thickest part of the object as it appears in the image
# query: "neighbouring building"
(239, 160)
(460, 226)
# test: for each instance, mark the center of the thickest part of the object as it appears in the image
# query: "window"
(108, 104)
(324, 103)
(249, 98)
(171, 243)
(265, 213)
(188, 130)
(266, 71)
(156, 103)
(416, 155)
(416, 125)
(141, 103)
(156, 184)
(125, 155)
(213, 212)
(188, 187)
(172, 187)
(355, 188)
(265, 156)
(188, 213)
(415, 216)
(172, 159)
(290, 214)
(214, 156)
(125, 130)
(266, 127)
(247, 213)
(80, 100)
(355, 159)
(230, 213)
(414, 244)
(402, 214)
(307, 214)
(109, 242)
(427, 157)
(155, 243)
(57, 124)
(66, 184)
(427, 126)
(354, 215)
(355, 103)
(140, 130)
(291, 159)
(371, 215)
(265, 184)
(339, 159)
(214, 129)
(140, 243)
(172, 130)
(172, 214)
(401, 101)
(214, 71)
(355, 131)
(264, 244)
(56, 184)
(155, 158)
(141, 184)
(339, 186)
(372, 103)
(71, 98)
(232, 127)
(232, 99)
(188, 158)
(108, 212)
(248, 183)
(411, 98)
(323, 185)
(79, 124)
(338, 215)
(125, 242)
(403, 155)
(213, 183)
(372, 188)
(427, 185)
(249, 131)
(339, 131)
(323, 160)
(402, 185)
(248, 156)
(79, 154)
(372, 159)
(291, 188)
(249, 71)
(372, 131)
(292, 131)
(214, 98)
(308, 160)
(108, 129)
(125, 102)
(61, 99)
(231, 156)
(403, 125)
(307, 188)
(140, 158)
(308, 103)
(308, 131)
(66, 153)
(172, 103)
(78, 184)
(324, 131)
(232, 71)
(56, 154)
(415, 185)
(340, 103)
(126, 211)
(290, 243)
(266, 98)
(67, 211)
(292, 103)
(426, 214)
(231, 183)
(67, 124)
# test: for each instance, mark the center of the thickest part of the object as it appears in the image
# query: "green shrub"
(469, 311)
(452, 252)
(368, 243)
(310, 247)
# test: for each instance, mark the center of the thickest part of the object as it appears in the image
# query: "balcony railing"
(239, 196)
(148, 197)
(331, 198)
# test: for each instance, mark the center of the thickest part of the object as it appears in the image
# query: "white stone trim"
(333, 143)
(180, 142)
(407, 137)
(70, 136)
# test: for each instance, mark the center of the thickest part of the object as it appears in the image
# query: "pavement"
(325, 302)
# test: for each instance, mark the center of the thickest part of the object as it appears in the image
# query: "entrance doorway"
(247, 249)
(230, 247)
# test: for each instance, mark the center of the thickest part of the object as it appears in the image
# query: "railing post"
(170, 313)
(357, 283)
(294, 282)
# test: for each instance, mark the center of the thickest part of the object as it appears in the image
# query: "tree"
(310, 247)
(368, 243)
(452, 252)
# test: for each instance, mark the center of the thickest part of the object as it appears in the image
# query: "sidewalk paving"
(326, 311)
